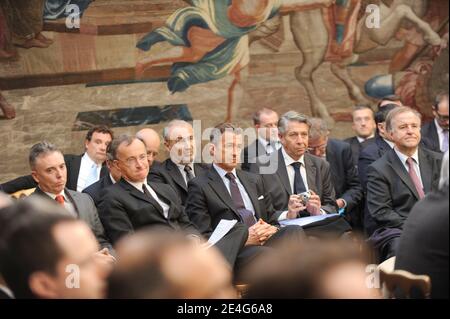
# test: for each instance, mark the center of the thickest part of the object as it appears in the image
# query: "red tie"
(415, 179)
(60, 199)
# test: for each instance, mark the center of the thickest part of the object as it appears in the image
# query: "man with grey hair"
(265, 122)
(179, 169)
(344, 174)
(435, 133)
(424, 246)
(398, 180)
(48, 169)
(293, 171)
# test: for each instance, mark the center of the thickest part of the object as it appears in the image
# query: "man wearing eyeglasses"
(435, 133)
(135, 203)
(344, 175)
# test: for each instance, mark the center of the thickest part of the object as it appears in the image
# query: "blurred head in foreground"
(162, 264)
(312, 270)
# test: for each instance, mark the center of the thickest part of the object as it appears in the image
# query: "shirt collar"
(403, 158)
(112, 178)
(265, 142)
(182, 166)
(53, 196)
(439, 128)
(362, 139)
(391, 144)
(137, 185)
(7, 291)
(223, 172)
(89, 160)
(289, 160)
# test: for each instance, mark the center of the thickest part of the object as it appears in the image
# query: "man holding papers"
(226, 193)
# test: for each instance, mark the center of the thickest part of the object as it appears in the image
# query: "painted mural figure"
(210, 39)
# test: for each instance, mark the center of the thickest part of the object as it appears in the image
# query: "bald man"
(179, 168)
(152, 142)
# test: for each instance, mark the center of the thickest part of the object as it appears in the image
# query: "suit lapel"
(400, 170)
(140, 195)
(72, 200)
(282, 171)
(311, 172)
(251, 191)
(426, 170)
(175, 173)
(219, 187)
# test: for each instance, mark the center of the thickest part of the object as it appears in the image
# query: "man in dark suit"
(399, 179)
(373, 150)
(49, 172)
(344, 174)
(230, 194)
(423, 247)
(364, 127)
(179, 168)
(82, 170)
(134, 203)
(292, 171)
(435, 133)
(265, 122)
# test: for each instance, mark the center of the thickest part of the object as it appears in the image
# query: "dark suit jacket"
(423, 247)
(86, 211)
(371, 152)
(343, 174)
(251, 153)
(280, 190)
(209, 201)
(357, 147)
(390, 191)
(95, 190)
(123, 209)
(430, 138)
(168, 173)
(73, 163)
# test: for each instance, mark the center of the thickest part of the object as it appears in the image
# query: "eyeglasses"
(143, 158)
(442, 117)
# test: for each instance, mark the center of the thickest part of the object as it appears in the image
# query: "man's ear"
(86, 142)
(167, 146)
(35, 176)
(43, 285)
(212, 149)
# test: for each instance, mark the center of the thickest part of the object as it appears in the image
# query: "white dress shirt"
(87, 165)
(362, 140)
(67, 203)
(163, 205)
(403, 158)
(291, 171)
(247, 201)
(7, 291)
(440, 133)
(269, 147)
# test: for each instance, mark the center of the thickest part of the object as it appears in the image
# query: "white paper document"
(306, 220)
(221, 230)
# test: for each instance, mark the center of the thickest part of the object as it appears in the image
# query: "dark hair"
(380, 116)
(40, 149)
(220, 129)
(389, 98)
(257, 114)
(362, 107)
(99, 129)
(439, 99)
(115, 144)
(27, 244)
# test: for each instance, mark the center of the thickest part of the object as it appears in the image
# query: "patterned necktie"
(415, 179)
(299, 185)
(60, 200)
(445, 142)
(247, 216)
(189, 175)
